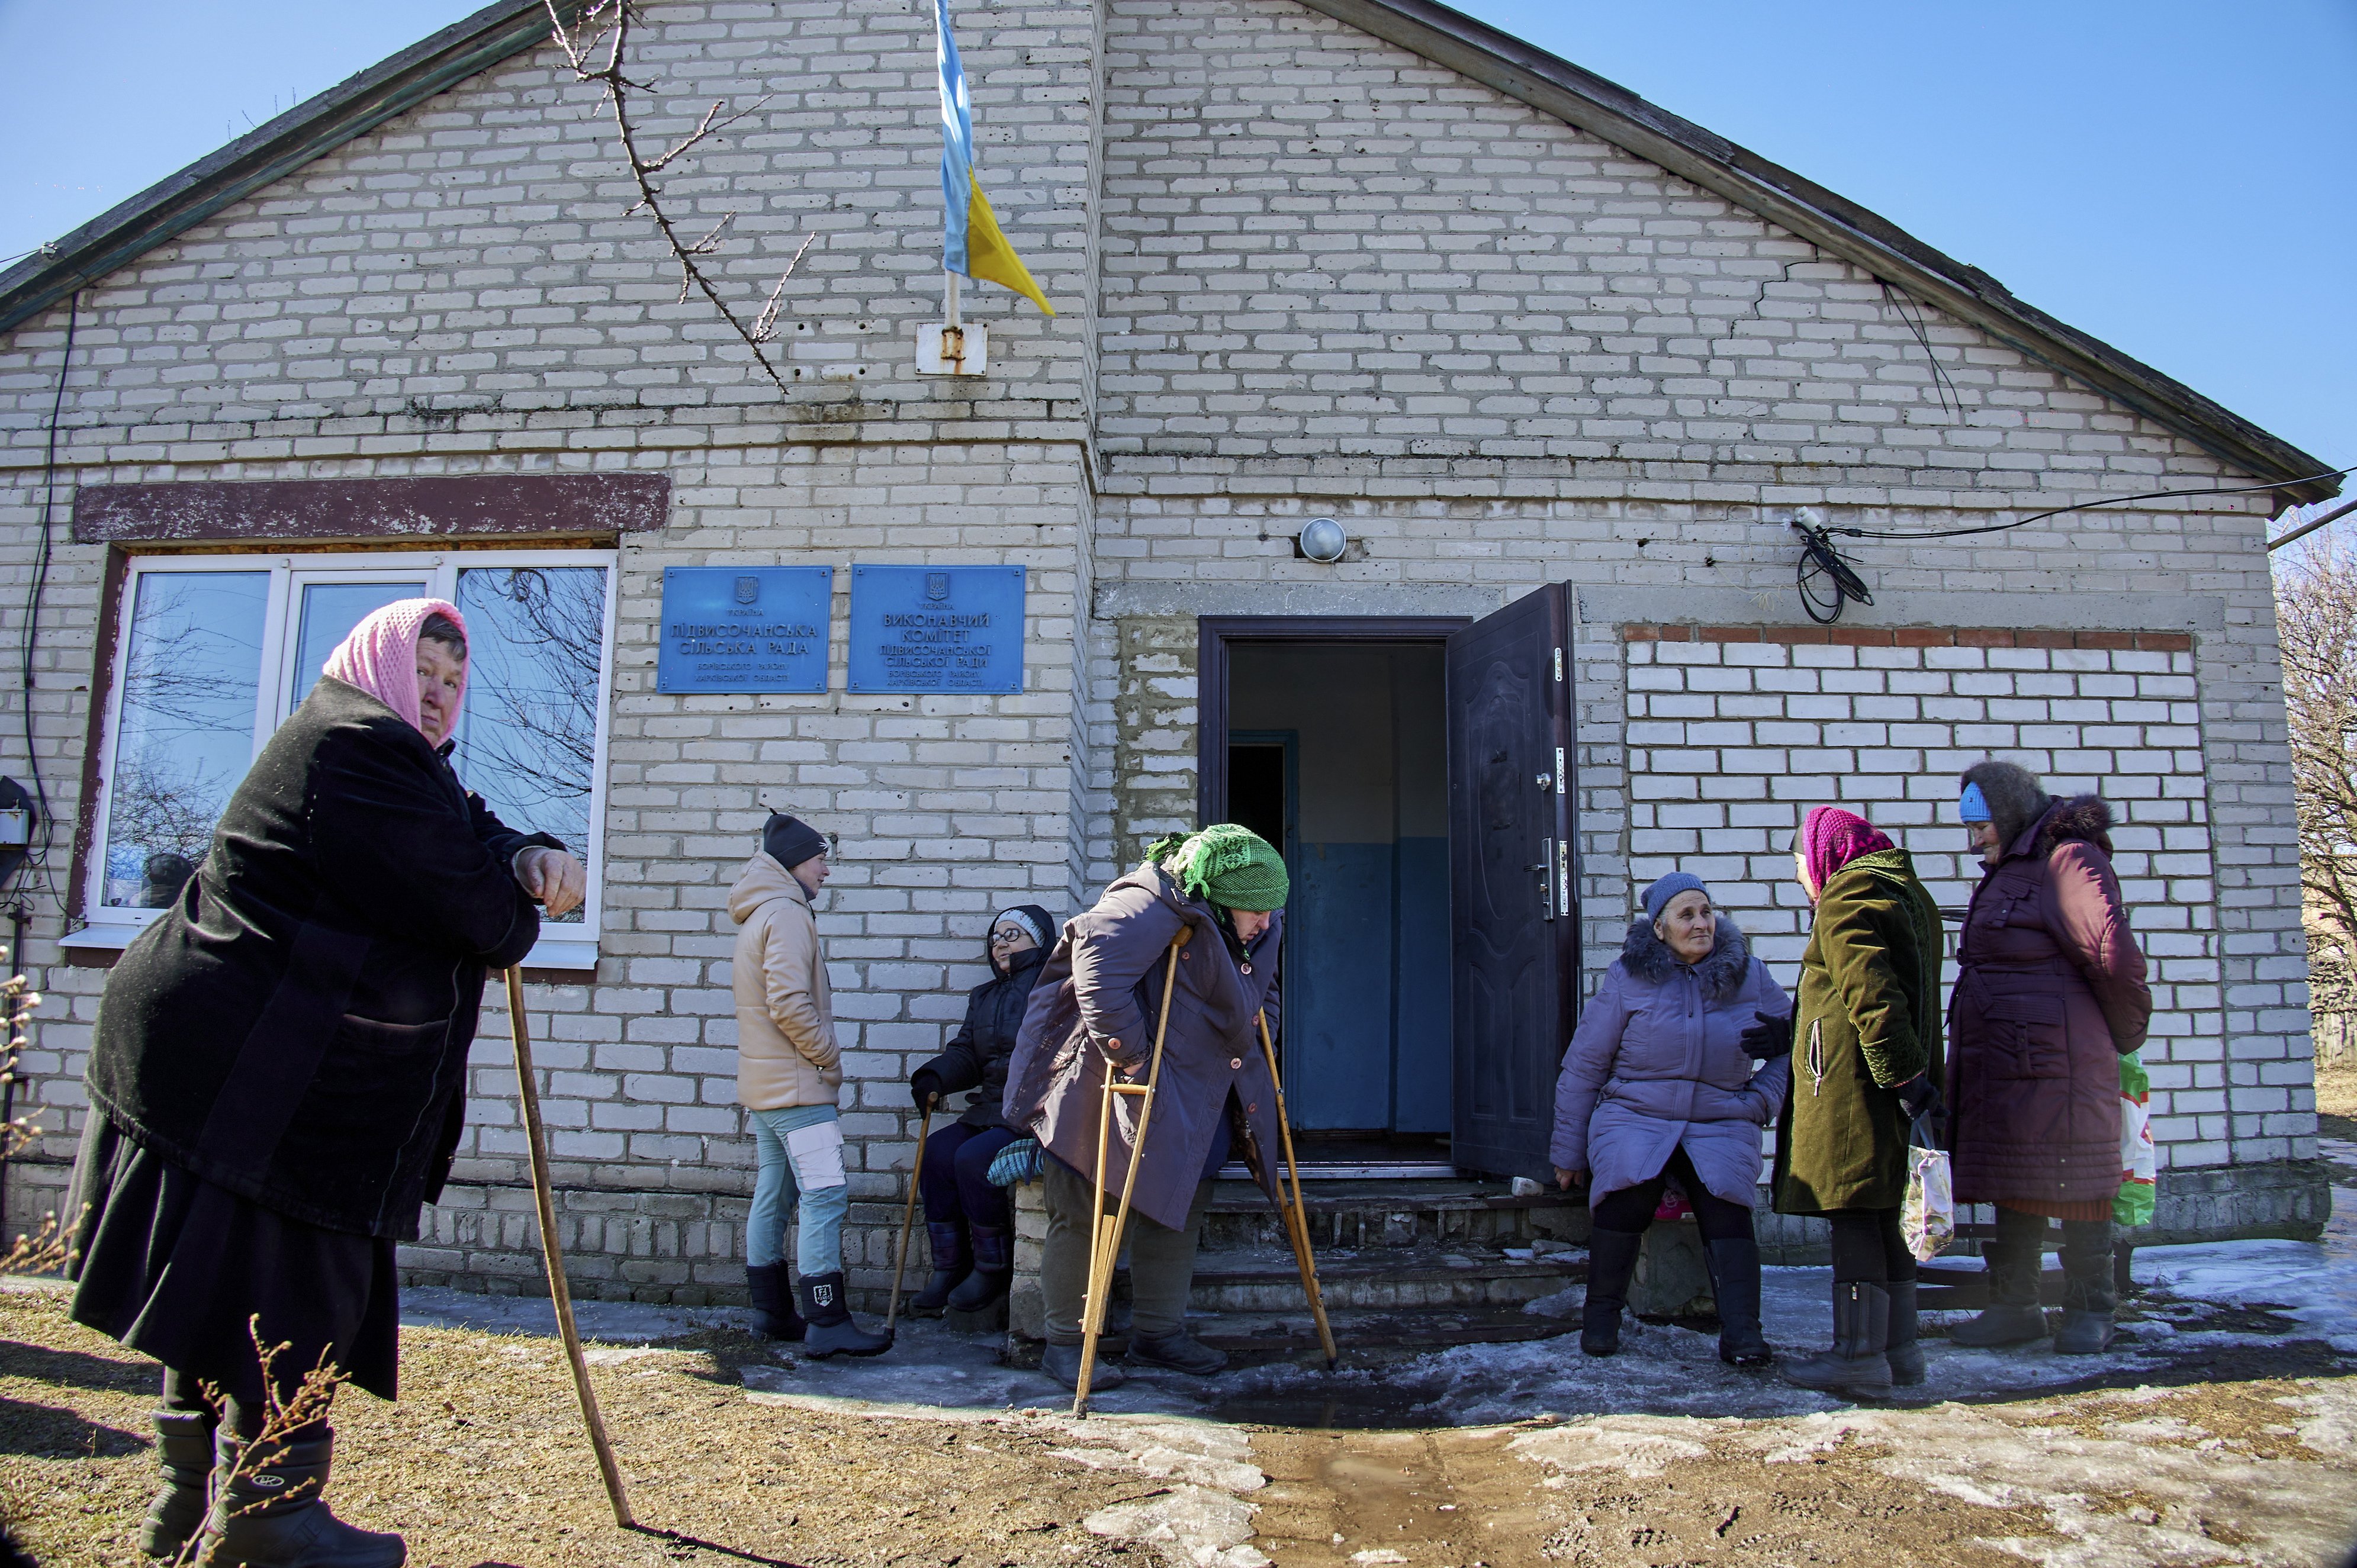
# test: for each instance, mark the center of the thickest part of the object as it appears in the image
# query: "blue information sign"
(937, 629)
(744, 628)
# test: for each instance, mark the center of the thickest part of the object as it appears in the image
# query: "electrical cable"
(36, 852)
(2087, 506)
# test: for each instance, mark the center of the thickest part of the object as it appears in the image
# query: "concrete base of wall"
(685, 1248)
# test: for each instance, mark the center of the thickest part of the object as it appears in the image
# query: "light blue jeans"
(801, 1150)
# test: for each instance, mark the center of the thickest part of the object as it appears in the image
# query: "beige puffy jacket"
(786, 1051)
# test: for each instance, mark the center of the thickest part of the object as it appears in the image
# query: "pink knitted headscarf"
(381, 656)
(1831, 838)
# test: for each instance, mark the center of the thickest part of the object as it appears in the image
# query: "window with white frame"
(216, 650)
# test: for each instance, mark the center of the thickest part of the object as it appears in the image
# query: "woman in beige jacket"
(789, 1070)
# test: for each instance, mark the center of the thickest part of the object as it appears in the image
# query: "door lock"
(1546, 780)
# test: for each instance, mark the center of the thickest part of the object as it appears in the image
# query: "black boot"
(1611, 1258)
(773, 1303)
(274, 1516)
(1902, 1345)
(184, 1451)
(2013, 1316)
(2088, 1294)
(1858, 1365)
(994, 1270)
(951, 1261)
(832, 1332)
(1062, 1362)
(1180, 1352)
(1735, 1281)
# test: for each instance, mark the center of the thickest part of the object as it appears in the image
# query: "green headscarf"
(1232, 866)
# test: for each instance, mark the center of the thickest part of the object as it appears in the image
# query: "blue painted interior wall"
(1366, 960)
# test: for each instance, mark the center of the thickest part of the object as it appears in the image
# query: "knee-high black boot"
(2088, 1294)
(994, 1269)
(951, 1262)
(1857, 1364)
(1735, 1281)
(1611, 1259)
(271, 1513)
(2013, 1316)
(184, 1451)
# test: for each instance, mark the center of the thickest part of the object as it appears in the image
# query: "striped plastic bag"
(2139, 1168)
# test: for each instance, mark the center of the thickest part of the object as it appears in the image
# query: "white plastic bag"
(1928, 1217)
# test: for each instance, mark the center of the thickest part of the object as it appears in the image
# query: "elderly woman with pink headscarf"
(1866, 1052)
(276, 1086)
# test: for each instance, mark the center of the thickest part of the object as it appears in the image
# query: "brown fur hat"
(2016, 798)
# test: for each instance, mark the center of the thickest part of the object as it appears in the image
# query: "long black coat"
(295, 1027)
(976, 1055)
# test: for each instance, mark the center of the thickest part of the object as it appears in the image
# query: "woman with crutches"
(1184, 949)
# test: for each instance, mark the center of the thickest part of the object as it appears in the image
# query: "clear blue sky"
(2179, 178)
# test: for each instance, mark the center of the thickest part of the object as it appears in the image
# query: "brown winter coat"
(2049, 994)
(786, 1050)
(1100, 994)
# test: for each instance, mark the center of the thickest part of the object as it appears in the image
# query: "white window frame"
(560, 947)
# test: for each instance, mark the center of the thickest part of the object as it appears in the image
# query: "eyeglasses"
(1006, 935)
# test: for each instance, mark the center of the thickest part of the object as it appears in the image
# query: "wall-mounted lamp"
(1322, 540)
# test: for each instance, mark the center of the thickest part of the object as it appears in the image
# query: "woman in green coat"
(1865, 1055)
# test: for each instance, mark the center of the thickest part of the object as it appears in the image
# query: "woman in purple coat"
(1659, 1083)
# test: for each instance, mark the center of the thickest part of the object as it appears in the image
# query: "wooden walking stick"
(908, 1214)
(558, 1292)
(1296, 1218)
(1104, 1233)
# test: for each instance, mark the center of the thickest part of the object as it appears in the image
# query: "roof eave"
(1555, 87)
(317, 126)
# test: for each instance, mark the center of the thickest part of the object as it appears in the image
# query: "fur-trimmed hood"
(2080, 819)
(2016, 798)
(1721, 971)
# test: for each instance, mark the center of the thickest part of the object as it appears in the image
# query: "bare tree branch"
(597, 46)
(2316, 618)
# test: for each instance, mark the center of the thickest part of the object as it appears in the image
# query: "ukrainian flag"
(972, 242)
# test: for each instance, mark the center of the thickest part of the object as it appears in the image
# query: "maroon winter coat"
(1102, 982)
(2049, 994)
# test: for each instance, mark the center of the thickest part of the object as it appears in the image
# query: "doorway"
(1336, 751)
(1416, 773)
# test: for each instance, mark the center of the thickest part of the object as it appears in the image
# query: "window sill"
(95, 947)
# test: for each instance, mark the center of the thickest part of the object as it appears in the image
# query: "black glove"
(925, 1085)
(1919, 1097)
(1768, 1038)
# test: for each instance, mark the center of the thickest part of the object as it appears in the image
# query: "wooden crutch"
(1104, 1233)
(908, 1214)
(1296, 1218)
(558, 1292)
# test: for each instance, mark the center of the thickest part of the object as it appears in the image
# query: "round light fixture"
(1323, 540)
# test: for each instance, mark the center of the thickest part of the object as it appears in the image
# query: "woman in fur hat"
(1659, 1085)
(2049, 994)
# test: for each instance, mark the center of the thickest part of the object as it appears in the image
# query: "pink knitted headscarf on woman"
(1831, 838)
(381, 656)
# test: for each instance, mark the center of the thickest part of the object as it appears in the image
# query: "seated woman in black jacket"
(969, 1222)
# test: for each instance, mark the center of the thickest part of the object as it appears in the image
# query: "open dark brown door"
(1515, 965)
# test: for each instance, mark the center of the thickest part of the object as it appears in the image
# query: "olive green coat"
(1868, 1020)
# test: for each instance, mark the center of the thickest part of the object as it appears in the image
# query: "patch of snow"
(1636, 1446)
(1379, 1554)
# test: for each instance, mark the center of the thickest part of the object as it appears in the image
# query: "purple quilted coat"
(1657, 1063)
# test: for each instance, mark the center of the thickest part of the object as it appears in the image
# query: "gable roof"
(1520, 69)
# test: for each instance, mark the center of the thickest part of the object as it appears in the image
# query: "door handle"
(1546, 780)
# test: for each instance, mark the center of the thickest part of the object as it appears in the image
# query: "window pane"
(527, 741)
(185, 735)
(331, 611)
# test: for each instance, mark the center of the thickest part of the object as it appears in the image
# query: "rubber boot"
(832, 1332)
(273, 1514)
(184, 1451)
(2013, 1316)
(773, 1303)
(1611, 1259)
(2089, 1295)
(1735, 1281)
(1062, 1362)
(994, 1270)
(1858, 1365)
(1903, 1345)
(951, 1262)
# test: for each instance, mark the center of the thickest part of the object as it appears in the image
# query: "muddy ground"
(2247, 1454)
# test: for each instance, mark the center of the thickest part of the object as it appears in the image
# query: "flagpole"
(950, 297)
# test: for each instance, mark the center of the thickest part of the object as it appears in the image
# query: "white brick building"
(1360, 259)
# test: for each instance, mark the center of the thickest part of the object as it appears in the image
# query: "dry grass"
(482, 1464)
(2336, 1089)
